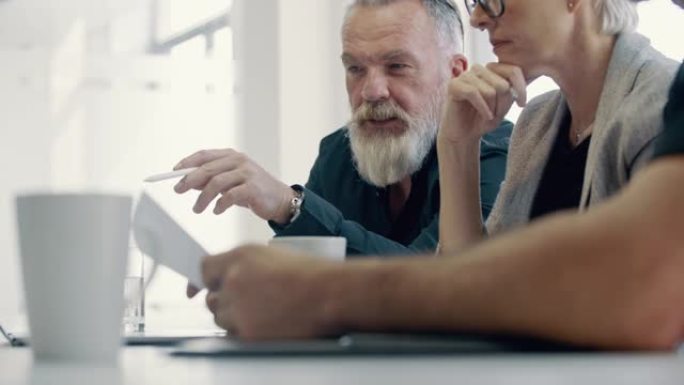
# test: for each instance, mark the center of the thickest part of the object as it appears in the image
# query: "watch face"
(296, 202)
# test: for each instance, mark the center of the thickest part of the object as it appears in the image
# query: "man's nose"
(375, 87)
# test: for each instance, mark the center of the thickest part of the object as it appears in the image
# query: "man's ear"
(458, 65)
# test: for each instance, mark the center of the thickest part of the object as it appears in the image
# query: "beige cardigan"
(628, 119)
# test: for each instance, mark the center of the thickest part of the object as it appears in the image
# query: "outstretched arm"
(609, 278)
(320, 218)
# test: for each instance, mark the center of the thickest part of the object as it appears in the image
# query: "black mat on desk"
(372, 344)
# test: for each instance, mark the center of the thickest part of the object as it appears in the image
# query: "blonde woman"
(571, 148)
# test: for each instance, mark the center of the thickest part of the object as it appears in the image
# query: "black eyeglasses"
(493, 8)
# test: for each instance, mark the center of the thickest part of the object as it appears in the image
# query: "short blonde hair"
(617, 16)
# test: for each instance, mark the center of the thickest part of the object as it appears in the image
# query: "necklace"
(581, 134)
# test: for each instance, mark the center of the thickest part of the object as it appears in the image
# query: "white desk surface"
(152, 365)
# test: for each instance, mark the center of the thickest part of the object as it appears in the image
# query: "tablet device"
(355, 344)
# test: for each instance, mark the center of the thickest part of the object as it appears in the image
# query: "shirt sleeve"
(319, 217)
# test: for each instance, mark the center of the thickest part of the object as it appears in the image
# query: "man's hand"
(479, 99)
(257, 292)
(239, 181)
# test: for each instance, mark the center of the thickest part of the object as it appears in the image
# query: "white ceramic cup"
(333, 248)
(73, 257)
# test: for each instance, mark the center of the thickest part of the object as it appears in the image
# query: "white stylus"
(170, 175)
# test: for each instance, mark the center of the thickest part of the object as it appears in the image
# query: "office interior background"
(97, 94)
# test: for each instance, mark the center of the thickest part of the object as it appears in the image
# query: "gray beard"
(383, 161)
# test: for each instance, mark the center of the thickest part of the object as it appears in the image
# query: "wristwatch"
(296, 202)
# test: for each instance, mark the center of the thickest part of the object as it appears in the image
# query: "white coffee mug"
(333, 248)
(73, 257)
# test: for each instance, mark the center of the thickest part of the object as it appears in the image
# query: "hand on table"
(258, 292)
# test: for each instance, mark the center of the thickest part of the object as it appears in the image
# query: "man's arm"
(609, 278)
(319, 217)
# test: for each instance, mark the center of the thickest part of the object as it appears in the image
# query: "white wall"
(84, 106)
(312, 81)
(289, 83)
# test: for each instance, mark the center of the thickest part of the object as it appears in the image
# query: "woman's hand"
(479, 99)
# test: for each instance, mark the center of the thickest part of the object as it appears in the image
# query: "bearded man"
(375, 181)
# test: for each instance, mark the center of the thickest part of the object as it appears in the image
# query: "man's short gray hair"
(445, 14)
(617, 16)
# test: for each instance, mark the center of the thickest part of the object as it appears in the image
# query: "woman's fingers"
(490, 90)
(500, 84)
(505, 94)
(474, 94)
(515, 78)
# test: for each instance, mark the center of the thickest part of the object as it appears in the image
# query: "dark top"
(671, 141)
(339, 202)
(561, 183)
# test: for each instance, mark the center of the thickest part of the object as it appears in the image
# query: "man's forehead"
(391, 54)
(379, 29)
(402, 20)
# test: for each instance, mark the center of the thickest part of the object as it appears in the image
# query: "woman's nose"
(479, 18)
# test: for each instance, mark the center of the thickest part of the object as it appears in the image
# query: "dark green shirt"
(671, 141)
(339, 202)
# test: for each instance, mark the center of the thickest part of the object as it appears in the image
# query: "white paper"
(165, 241)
